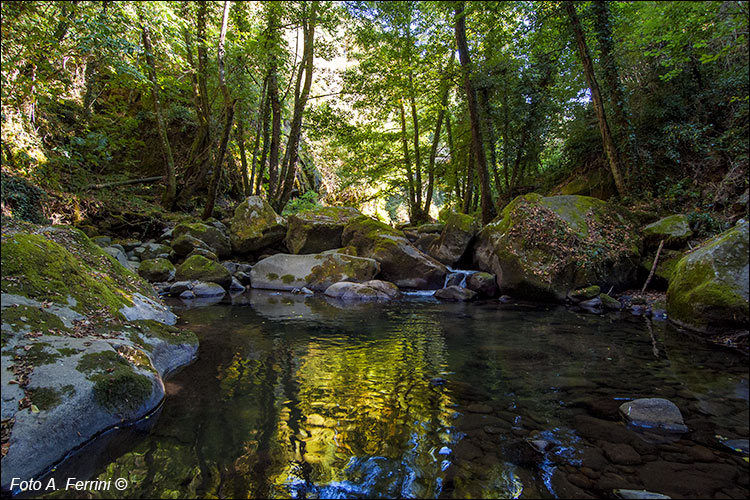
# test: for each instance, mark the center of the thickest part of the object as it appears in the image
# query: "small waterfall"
(457, 277)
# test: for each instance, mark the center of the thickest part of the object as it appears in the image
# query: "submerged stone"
(654, 413)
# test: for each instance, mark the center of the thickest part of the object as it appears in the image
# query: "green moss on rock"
(170, 334)
(156, 270)
(200, 268)
(674, 230)
(709, 287)
(46, 398)
(117, 386)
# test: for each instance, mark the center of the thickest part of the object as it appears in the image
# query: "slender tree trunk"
(436, 138)
(628, 140)
(171, 188)
(469, 189)
(417, 157)
(266, 145)
(488, 208)
(407, 160)
(246, 181)
(486, 114)
(588, 71)
(260, 122)
(273, 94)
(506, 144)
(228, 116)
(292, 150)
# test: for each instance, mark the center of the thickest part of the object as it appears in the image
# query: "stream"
(305, 397)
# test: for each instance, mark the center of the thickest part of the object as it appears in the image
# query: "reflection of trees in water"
(372, 398)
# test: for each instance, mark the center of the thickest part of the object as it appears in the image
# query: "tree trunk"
(588, 71)
(506, 144)
(488, 209)
(291, 156)
(228, 116)
(628, 141)
(273, 94)
(171, 188)
(407, 160)
(259, 128)
(246, 181)
(469, 189)
(266, 143)
(436, 138)
(417, 157)
(486, 114)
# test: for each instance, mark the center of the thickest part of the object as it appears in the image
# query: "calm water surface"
(305, 397)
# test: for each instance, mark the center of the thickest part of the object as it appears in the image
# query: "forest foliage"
(408, 109)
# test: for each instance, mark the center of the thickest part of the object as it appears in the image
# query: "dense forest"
(409, 110)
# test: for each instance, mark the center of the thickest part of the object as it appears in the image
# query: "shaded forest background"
(407, 110)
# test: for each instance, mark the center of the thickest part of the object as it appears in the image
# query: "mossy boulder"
(541, 248)
(317, 229)
(200, 268)
(216, 239)
(185, 244)
(455, 293)
(709, 287)
(314, 271)
(400, 262)
(75, 346)
(455, 239)
(668, 260)
(674, 230)
(255, 226)
(156, 270)
(482, 283)
(152, 251)
(596, 182)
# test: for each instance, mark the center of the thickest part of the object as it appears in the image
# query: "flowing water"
(306, 397)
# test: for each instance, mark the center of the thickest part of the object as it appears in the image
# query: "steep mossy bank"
(85, 344)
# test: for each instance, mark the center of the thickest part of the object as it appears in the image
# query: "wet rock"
(621, 454)
(609, 302)
(455, 293)
(203, 289)
(479, 408)
(188, 294)
(582, 294)
(236, 286)
(231, 266)
(318, 229)
(485, 284)
(102, 241)
(518, 451)
(639, 495)
(243, 278)
(314, 271)
(741, 446)
(605, 430)
(119, 255)
(151, 251)
(386, 287)
(354, 291)
(710, 286)
(564, 488)
(654, 413)
(180, 286)
(591, 304)
(425, 241)
(696, 480)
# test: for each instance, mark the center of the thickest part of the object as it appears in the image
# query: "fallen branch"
(653, 267)
(122, 183)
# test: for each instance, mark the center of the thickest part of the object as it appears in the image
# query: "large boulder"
(200, 268)
(79, 355)
(400, 262)
(674, 230)
(317, 229)
(455, 238)
(709, 286)
(540, 248)
(314, 271)
(185, 244)
(213, 236)
(255, 226)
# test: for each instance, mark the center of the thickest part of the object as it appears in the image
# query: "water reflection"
(299, 397)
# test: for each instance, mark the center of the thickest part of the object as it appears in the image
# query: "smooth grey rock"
(102, 241)
(654, 413)
(243, 278)
(314, 271)
(386, 287)
(639, 495)
(119, 255)
(146, 308)
(207, 289)
(180, 286)
(231, 266)
(354, 291)
(456, 293)
(236, 285)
